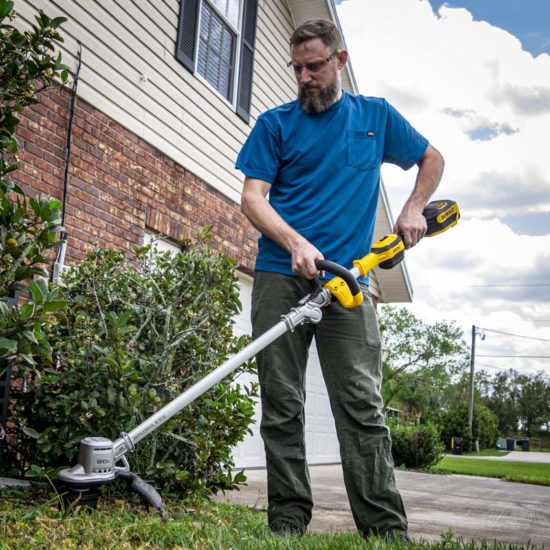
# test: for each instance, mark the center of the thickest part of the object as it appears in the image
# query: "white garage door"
(321, 443)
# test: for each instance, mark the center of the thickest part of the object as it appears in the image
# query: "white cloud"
(458, 80)
(481, 273)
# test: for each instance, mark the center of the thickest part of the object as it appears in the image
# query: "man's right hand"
(304, 255)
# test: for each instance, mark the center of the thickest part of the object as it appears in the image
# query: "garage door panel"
(321, 441)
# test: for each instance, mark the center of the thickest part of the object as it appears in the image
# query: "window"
(160, 243)
(216, 51)
(216, 40)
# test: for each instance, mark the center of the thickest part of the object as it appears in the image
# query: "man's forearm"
(410, 224)
(427, 179)
(265, 219)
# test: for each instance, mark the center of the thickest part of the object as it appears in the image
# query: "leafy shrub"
(140, 331)
(416, 446)
(484, 427)
(28, 228)
(26, 233)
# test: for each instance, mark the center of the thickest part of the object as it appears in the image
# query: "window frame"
(188, 43)
(236, 54)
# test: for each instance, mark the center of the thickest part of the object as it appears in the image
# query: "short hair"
(324, 29)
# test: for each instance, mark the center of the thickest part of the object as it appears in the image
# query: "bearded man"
(318, 158)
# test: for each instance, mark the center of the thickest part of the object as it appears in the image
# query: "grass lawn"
(34, 522)
(522, 472)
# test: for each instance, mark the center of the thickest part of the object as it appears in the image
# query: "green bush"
(140, 331)
(26, 233)
(484, 427)
(416, 446)
(28, 228)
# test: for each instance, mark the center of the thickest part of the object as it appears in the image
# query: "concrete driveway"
(471, 507)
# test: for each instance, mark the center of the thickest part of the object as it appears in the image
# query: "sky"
(473, 76)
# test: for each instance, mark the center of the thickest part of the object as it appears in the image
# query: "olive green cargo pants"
(348, 344)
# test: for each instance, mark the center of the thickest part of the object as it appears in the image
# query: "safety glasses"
(314, 66)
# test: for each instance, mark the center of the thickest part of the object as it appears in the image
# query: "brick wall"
(119, 185)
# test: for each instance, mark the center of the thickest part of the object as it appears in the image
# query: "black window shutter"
(187, 33)
(244, 93)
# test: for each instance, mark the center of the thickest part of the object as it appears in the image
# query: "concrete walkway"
(471, 507)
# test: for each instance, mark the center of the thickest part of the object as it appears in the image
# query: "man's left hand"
(412, 227)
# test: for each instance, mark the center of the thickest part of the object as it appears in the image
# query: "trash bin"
(524, 444)
(510, 444)
(458, 443)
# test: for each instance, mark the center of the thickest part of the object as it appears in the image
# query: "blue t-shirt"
(324, 171)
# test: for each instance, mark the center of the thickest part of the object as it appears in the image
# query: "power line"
(503, 285)
(483, 365)
(508, 285)
(520, 356)
(517, 335)
(522, 319)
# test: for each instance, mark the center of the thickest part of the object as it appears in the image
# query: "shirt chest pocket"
(362, 149)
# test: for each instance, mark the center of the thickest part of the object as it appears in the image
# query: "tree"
(499, 393)
(520, 401)
(422, 361)
(454, 423)
(28, 65)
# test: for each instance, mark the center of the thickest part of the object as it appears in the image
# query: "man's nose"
(303, 76)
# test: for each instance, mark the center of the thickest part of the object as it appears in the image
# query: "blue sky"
(470, 76)
(527, 20)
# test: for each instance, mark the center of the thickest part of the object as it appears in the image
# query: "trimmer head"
(97, 466)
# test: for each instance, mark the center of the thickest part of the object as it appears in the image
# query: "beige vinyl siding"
(273, 83)
(391, 285)
(129, 72)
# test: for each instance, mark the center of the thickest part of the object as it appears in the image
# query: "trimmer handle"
(340, 271)
(440, 216)
(344, 286)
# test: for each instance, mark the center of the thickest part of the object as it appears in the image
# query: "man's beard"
(319, 102)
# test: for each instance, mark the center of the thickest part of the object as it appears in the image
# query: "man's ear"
(342, 58)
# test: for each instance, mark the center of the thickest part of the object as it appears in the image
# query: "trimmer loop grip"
(344, 286)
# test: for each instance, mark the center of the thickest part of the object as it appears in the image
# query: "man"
(319, 158)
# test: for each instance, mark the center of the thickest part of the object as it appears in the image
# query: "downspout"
(60, 258)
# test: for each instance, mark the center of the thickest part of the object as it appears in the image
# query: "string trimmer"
(102, 461)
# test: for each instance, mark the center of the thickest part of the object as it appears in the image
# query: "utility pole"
(475, 330)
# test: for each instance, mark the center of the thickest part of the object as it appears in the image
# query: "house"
(166, 94)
